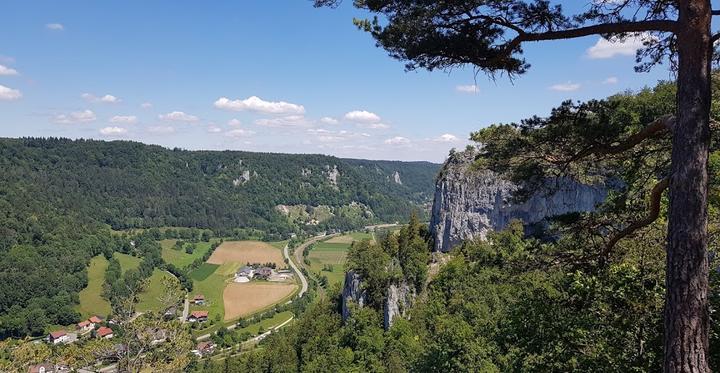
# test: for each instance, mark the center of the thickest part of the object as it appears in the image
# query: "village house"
(199, 299)
(58, 337)
(85, 326)
(198, 316)
(204, 348)
(105, 332)
(89, 324)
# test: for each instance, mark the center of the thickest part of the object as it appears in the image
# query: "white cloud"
(397, 140)
(239, 133)
(84, 116)
(214, 129)
(161, 130)
(605, 48)
(286, 121)
(234, 122)
(472, 88)
(565, 87)
(7, 93)
(108, 99)
(257, 104)
(178, 116)
(146, 105)
(113, 131)
(362, 116)
(126, 119)
(328, 120)
(376, 126)
(55, 26)
(611, 80)
(6, 71)
(447, 138)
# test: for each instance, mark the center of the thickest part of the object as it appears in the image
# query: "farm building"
(105, 332)
(246, 271)
(85, 326)
(198, 316)
(241, 279)
(264, 272)
(57, 337)
(199, 299)
(89, 324)
(204, 348)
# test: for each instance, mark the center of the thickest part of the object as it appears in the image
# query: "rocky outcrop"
(396, 178)
(352, 293)
(398, 301)
(469, 203)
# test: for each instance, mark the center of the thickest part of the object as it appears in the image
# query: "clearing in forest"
(91, 300)
(331, 254)
(243, 252)
(245, 299)
(179, 258)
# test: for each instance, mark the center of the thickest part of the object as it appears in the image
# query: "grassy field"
(179, 258)
(211, 285)
(204, 271)
(333, 253)
(266, 324)
(127, 261)
(91, 301)
(279, 244)
(148, 300)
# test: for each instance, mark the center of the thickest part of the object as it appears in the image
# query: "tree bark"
(686, 305)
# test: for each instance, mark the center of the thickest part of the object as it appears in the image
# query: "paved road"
(303, 280)
(186, 308)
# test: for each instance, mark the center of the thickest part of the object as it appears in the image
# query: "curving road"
(303, 280)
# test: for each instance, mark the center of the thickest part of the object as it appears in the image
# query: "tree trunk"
(686, 305)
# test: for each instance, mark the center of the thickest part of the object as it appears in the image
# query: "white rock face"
(244, 178)
(332, 175)
(396, 178)
(470, 203)
(398, 302)
(352, 292)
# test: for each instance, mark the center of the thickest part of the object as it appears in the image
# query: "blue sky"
(294, 78)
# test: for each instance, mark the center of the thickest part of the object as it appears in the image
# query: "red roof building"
(58, 334)
(105, 332)
(83, 324)
(95, 320)
(198, 316)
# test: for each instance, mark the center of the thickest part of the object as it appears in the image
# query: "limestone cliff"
(352, 293)
(398, 301)
(469, 203)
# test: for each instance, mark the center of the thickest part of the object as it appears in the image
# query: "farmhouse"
(246, 271)
(85, 326)
(105, 332)
(264, 272)
(89, 324)
(204, 348)
(198, 316)
(199, 299)
(57, 337)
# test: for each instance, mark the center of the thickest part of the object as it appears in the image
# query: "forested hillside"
(59, 198)
(132, 185)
